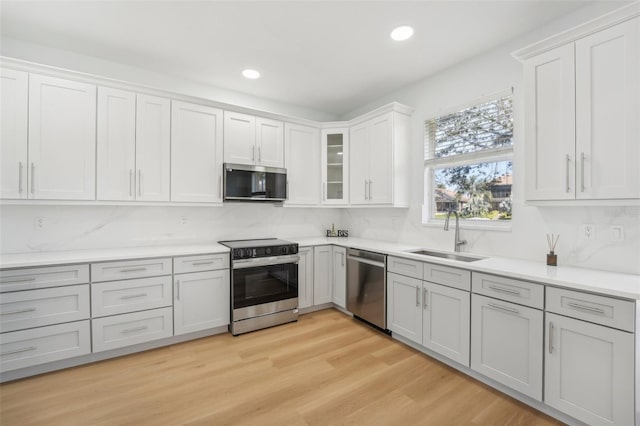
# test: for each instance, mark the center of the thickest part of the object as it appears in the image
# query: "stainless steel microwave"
(254, 183)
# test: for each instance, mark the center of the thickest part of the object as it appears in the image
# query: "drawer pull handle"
(424, 298)
(131, 330)
(504, 290)
(503, 308)
(202, 263)
(177, 289)
(551, 329)
(586, 308)
(133, 296)
(133, 269)
(417, 296)
(18, 280)
(19, 311)
(17, 351)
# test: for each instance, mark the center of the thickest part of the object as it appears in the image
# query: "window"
(468, 162)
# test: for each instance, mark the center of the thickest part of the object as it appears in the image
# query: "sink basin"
(452, 256)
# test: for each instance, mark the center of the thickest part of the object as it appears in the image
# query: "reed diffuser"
(552, 241)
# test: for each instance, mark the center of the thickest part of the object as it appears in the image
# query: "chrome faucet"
(458, 242)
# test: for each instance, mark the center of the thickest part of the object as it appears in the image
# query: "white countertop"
(602, 282)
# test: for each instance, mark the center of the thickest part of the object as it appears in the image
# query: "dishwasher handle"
(358, 255)
(367, 261)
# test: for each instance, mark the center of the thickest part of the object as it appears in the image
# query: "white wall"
(487, 73)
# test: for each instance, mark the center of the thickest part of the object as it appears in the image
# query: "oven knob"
(268, 250)
(284, 250)
(294, 249)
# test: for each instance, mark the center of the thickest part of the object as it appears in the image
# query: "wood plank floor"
(325, 369)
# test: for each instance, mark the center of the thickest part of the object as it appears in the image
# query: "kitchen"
(43, 232)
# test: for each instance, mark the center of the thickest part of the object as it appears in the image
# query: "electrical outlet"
(41, 223)
(617, 232)
(184, 220)
(588, 231)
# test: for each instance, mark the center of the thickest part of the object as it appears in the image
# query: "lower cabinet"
(322, 274)
(339, 279)
(506, 344)
(404, 311)
(305, 277)
(201, 301)
(130, 329)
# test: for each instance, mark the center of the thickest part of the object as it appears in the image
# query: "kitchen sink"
(452, 256)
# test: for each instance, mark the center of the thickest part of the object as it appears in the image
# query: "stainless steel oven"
(264, 283)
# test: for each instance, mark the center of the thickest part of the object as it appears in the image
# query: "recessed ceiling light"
(402, 33)
(251, 74)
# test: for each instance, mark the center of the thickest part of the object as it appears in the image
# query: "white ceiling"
(331, 56)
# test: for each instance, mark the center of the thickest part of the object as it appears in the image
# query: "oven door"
(264, 282)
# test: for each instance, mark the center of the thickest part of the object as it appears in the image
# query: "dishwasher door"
(367, 286)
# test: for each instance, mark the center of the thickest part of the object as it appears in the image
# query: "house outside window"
(468, 162)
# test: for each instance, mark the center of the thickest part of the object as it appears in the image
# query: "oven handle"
(264, 261)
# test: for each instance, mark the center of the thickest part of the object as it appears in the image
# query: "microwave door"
(258, 186)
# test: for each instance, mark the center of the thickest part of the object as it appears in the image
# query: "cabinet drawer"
(206, 262)
(111, 271)
(406, 267)
(130, 329)
(445, 275)
(121, 297)
(516, 291)
(35, 308)
(603, 310)
(25, 348)
(51, 276)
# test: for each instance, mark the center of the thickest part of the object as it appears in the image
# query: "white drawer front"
(35, 308)
(112, 271)
(121, 297)
(206, 262)
(130, 329)
(51, 276)
(603, 310)
(20, 349)
(516, 291)
(445, 275)
(406, 267)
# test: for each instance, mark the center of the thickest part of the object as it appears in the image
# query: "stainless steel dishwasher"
(367, 286)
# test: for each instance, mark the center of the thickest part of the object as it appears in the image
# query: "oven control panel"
(269, 251)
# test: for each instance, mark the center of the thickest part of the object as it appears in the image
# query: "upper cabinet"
(253, 140)
(379, 160)
(302, 161)
(13, 133)
(582, 102)
(335, 166)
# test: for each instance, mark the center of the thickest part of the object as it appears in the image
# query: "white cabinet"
(130, 329)
(253, 140)
(121, 297)
(62, 139)
(582, 104)
(339, 276)
(322, 275)
(378, 161)
(506, 344)
(335, 166)
(13, 133)
(201, 301)
(404, 306)
(302, 161)
(305, 277)
(196, 153)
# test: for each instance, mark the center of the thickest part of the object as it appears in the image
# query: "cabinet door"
(608, 113)
(358, 160)
(239, 138)
(335, 166)
(62, 139)
(322, 274)
(302, 161)
(13, 133)
(404, 306)
(549, 81)
(305, 277)
(506, 344)
(153, 149)
(446, 321)
(196, 153)
(116, 144)
(589, 371)
(269, 142)
(380, 150)
(340, 276)
(201, 301)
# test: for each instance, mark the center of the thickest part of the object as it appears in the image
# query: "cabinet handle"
(504, 290)
(253, 154)
(567, 172)
(324, 191)
(133, 296)
(370, 186)
(20, 177)
(17, 351)
(130, 182)
(417, 296)
(259, 154)
(209, 262)
(586, 308)
(19, 311)
(140, 182)
(220, 186)
(18, 280)
(424, 298)
(365, 189)
(177, 289)
(33, 179)
(286, 194)
(582, 172)
(342, 258)
(133, 269)
(503, 308)
(550, 337)
(131, 330)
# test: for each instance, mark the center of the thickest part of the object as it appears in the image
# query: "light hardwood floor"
(325, 369)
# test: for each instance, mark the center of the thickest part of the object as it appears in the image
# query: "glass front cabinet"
(335, 166)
